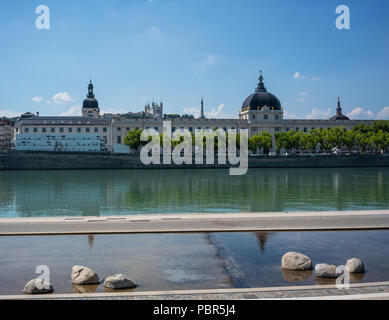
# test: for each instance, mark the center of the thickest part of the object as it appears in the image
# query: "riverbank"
(357, 291)
(76, 161)
(188, 223)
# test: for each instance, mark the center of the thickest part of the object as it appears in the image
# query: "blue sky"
(181, 50)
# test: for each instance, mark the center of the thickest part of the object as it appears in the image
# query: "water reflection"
(296, 276)
(263, 237)
(113, 192)
(90, 288)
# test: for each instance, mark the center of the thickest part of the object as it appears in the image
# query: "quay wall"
(69, 161)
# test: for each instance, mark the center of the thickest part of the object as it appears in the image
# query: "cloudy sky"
(180, 50)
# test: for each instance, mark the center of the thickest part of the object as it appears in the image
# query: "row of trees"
(361, 137)
(132, 139)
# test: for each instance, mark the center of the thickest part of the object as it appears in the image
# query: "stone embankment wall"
(58, 161)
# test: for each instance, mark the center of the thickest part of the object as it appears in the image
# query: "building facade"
(6, 135)
(260, 111)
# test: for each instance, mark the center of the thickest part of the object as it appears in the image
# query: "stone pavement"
(208, 222)
(360, 291)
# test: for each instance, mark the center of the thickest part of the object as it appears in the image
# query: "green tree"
(132, 139)
(380, 140)
(380, 125)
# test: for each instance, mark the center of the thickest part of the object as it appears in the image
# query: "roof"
(67, 120)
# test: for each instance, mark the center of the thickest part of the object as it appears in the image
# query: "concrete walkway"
(271, 221)
(359, 291)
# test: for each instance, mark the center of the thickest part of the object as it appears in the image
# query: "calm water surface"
(118, 192)
(189, 261)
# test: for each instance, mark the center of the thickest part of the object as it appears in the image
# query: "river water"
(189, 261)
(119, 192)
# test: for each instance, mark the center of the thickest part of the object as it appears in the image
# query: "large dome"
(90, 101)
(261, 98)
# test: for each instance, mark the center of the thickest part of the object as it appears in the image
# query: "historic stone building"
(260, 111)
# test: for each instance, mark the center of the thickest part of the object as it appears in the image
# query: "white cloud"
(303, 93)
(298, 75)
(9, 113)
(318, 114)
(300, 99)
(288, 115)
(73, 111)
(383, 114)
(359, 113)
(37, 99)
(114, 111)
(202, 67)
(315, 78)
(194, 111)
(62, 97)
(214, 113)
(155, 29)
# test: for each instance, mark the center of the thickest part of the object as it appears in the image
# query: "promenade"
(226, 222)
(359, 291)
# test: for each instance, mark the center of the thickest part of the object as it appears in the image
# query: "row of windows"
(61, 130)
(266, 117)
(173, 128)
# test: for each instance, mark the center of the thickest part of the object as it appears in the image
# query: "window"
(87, 129)
(297, 129)
(52, 129)
(60, 129)
(43, 129)
(25, 129)
(128, 129)
(277, 117)
(286, 129)
(265, 117)
(78, 129)
(35, 129)
(119, 139)
(119, 129)
(253, 116)
(70, 129)
(96, 129)
(305, 129)
(104, 129)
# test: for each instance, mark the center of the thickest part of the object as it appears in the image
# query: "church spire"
(202, 109)
(339, 109)
(90, 90)
(261, 86)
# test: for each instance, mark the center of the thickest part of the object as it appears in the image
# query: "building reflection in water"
(91, 237)
(262, 238)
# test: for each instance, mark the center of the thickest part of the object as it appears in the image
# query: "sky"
(178, 51)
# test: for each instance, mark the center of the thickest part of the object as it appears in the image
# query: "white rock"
(355, 265)
(84, 275)
(119, 281)
(296, 261)
(324, 270)
(37, 286)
